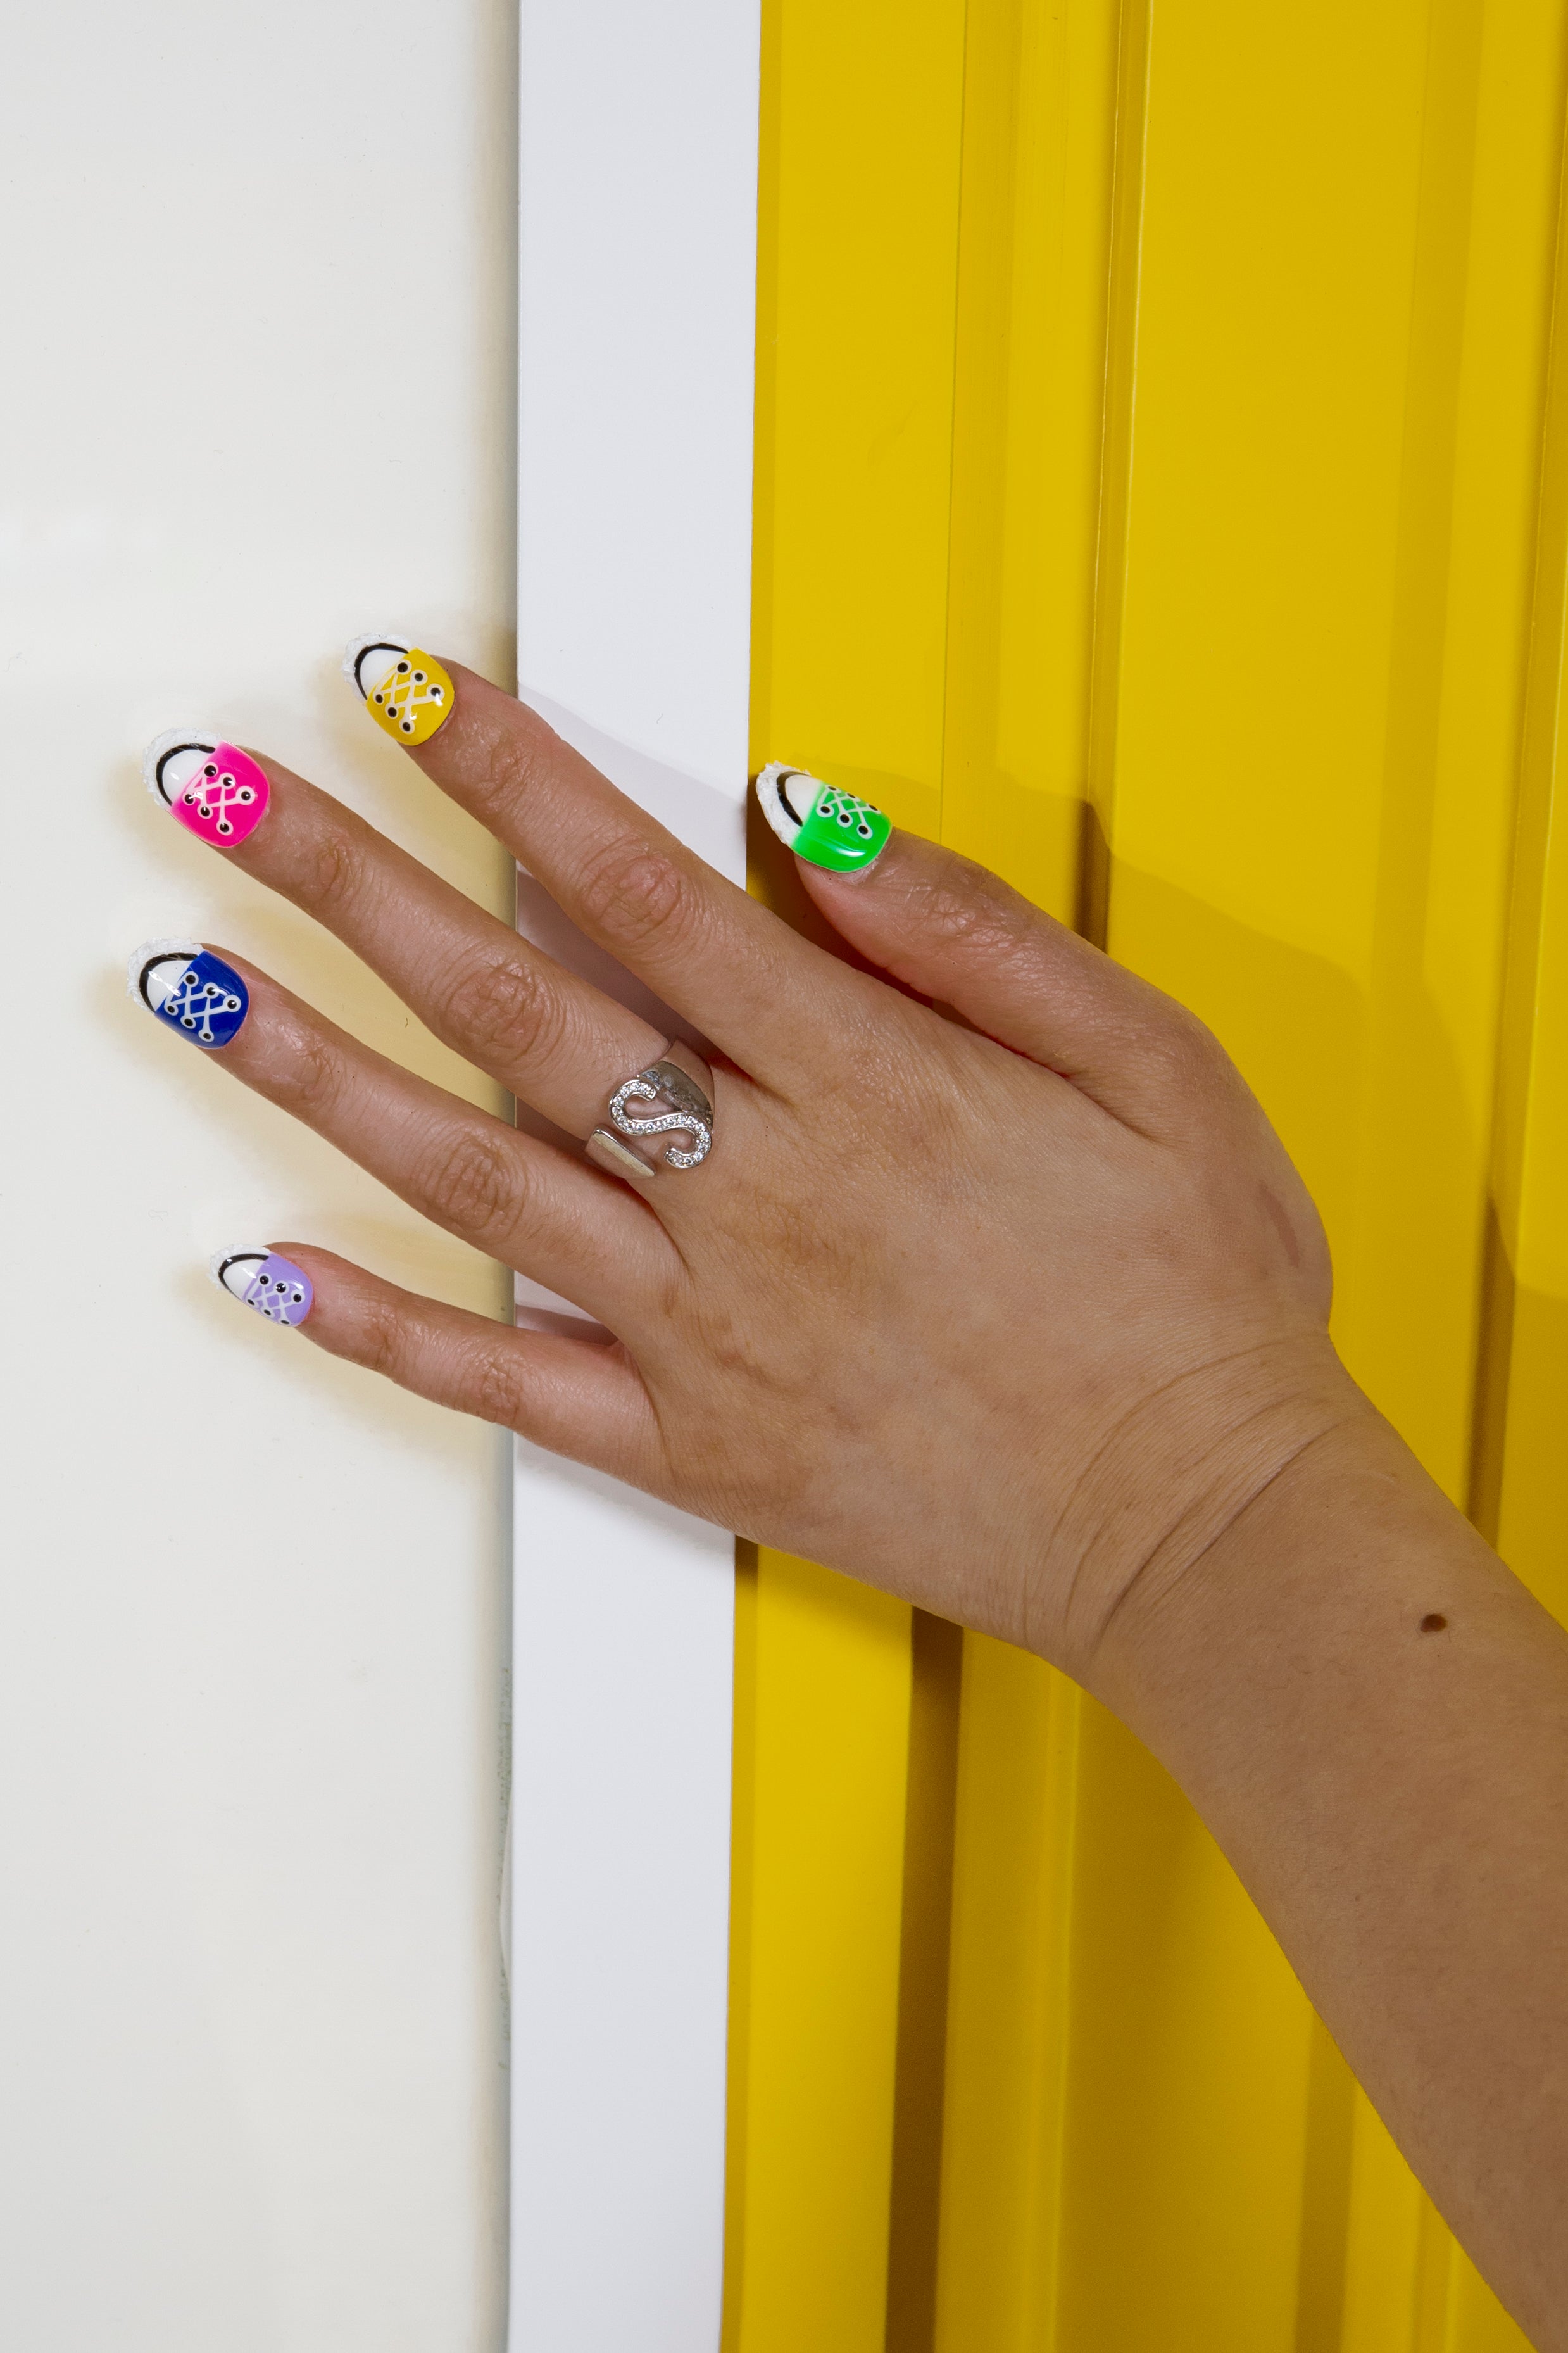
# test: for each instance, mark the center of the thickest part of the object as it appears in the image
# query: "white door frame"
(637, 316)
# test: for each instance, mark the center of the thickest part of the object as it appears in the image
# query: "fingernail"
(821, 823)
(213, 787)
(190, 988)
(274, 1286)
(405, 690)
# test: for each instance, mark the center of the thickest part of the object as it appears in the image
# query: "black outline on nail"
(380, 646)
(173, 753)
(788, 778)
(164, 955)
(239, 1258)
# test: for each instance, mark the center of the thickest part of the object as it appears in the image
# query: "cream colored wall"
(257, 394)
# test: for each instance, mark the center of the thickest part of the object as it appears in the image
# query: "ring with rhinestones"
(679, 1086)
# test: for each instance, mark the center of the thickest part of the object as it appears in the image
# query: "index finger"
(719, 957)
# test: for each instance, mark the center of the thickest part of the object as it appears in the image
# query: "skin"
(1016, 1308)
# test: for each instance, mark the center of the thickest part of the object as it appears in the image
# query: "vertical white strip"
(637, 303)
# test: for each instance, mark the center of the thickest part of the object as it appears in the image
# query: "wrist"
(1270, 1443)
(1342, 1533)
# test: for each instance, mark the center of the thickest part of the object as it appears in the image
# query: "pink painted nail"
(214, 788)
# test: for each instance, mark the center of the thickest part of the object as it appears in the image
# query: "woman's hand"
(1008, 1308)
(1016, 1307)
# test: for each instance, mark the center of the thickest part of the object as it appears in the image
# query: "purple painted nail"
(274, 1286)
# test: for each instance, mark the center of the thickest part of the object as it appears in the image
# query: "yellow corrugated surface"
(1163, 495)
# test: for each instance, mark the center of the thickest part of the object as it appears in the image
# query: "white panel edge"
(637, 261)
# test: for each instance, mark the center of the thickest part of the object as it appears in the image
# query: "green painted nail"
(821, 823)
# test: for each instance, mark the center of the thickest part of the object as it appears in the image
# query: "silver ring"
(681, 1079)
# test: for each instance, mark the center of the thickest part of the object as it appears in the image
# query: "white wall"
(636, 322)
(257, 394)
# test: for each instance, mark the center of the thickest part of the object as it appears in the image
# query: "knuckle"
(384, 1339)
(962, 908)
(960, 921)
(496, 1391)
(506, 1010)
(330, 871)
(476, 1186)
(313, 1080)
(1189, 1054)
(633, 891)
(514, 764)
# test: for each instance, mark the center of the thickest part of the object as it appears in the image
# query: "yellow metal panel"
(859, 225)
(1386, 2245)
(1150, 500)
(1188, 2061)
(827, 1736)
(1309, 765)
(1034, 233)
(1477, 2322)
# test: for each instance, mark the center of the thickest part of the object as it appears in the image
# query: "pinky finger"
(583, 1398)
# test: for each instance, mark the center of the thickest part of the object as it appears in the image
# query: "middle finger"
(540, 1031)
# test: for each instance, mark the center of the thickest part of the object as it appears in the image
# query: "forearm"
(1370, 1713)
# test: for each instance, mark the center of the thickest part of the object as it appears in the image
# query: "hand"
(1002, 1312)
(996, 1290)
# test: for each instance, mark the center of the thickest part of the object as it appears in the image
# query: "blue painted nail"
(191, 989)
(274, 1286)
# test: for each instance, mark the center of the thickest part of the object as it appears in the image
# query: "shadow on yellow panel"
(1356, 1123)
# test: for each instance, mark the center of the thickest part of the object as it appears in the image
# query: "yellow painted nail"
(404, 690)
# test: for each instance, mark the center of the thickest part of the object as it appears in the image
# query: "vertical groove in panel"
(1325, 2198)
(1009, 2004)
(936, 1654)
(1519, 1471)
(743, 1890)
(859, 210)
(829, 1733)
(1027, 424)
(1034, 228)
(1385, 2220)
(1186, 2066)
(1135, 33)
(1409, 1338)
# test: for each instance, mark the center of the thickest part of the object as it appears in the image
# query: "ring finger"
(513, 1196)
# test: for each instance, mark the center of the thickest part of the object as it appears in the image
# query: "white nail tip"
(163, 766)
(235, 1271)
(154, 971)
(361, 665)
(274, 1287)
(785, 816)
